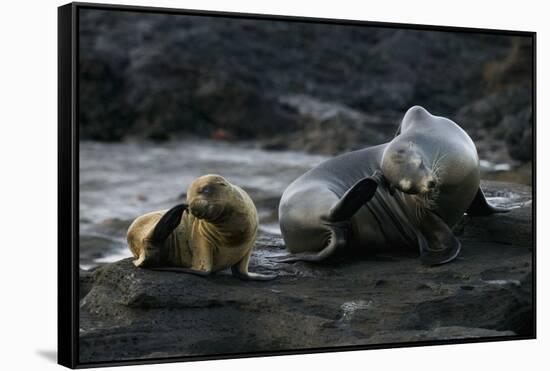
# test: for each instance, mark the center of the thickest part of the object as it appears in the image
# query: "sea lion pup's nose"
(431, 184)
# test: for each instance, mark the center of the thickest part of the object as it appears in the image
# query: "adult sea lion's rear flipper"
(480, 206)
(437, 243)
(359, 194)
(336, 241)
(169, 221)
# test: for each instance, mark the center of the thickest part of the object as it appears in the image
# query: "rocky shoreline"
(383, 297)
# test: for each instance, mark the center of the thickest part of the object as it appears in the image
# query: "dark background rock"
(383, 297)
(159, 76)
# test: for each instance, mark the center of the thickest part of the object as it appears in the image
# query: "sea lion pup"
(407, 192)
(214, 230)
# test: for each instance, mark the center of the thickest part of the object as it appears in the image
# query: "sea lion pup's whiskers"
(221, 216)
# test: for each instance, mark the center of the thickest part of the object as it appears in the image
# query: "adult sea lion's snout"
(422, 186)
(404, 167)
(429, 183)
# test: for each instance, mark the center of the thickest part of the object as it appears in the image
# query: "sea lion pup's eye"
(205, 190)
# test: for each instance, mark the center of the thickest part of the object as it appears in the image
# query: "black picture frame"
(68, 181)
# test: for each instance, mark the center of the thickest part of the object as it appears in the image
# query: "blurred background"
(166, 98)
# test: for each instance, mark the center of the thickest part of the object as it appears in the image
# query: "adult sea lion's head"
(404, 167)
(209, 197)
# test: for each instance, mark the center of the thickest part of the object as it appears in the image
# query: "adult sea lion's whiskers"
(437, 168)
(428, 201)
(425, 202)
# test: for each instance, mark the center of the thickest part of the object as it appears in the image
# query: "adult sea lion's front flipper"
(437, 243)
(480, 206)
(338, 218)
(355, 197)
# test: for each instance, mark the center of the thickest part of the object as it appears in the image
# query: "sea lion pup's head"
(404, 167)
(209, 197)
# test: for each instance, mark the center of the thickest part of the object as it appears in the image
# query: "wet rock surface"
(130, 313)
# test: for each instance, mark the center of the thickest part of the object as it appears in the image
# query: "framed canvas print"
(236, 185)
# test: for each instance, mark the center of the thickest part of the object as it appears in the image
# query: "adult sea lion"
(407, 192)
(214, 230)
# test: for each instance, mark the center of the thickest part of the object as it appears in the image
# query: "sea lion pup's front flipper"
(436, 241)
(480, 206)
(150, 255)
(180, 270)
(167, 223)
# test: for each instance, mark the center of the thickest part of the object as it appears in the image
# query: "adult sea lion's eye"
(416, 162)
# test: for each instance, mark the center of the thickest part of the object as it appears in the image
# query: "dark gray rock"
(504, 120)
(328, 127)
(489, 111)
(85, 283)
(156, 76)
(438, 333)
(383, 297)
(519, 134)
